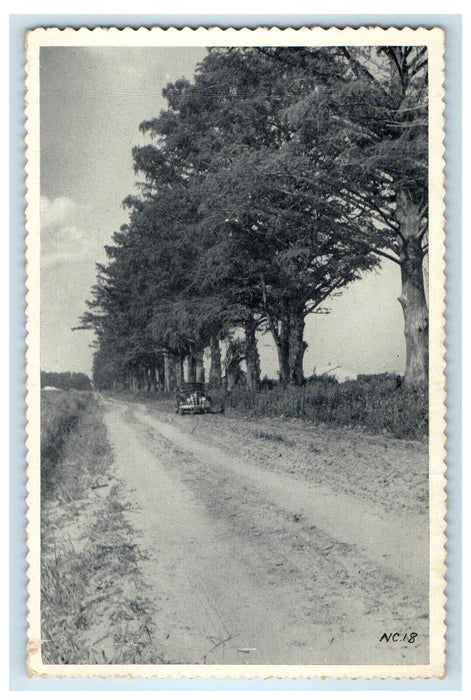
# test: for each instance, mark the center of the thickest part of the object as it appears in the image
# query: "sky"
(92, 102)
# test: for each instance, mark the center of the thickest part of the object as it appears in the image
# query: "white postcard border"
(434, 39)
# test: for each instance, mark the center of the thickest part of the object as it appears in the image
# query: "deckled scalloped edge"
(34, 665)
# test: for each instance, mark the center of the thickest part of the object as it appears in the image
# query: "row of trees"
(65, 380)
(274, 179)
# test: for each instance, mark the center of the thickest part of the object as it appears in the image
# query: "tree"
(148, 265)
(230, 129)
(286, 252)
(363, 135)
(125, 356)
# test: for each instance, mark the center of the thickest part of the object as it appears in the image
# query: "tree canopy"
(274, 179)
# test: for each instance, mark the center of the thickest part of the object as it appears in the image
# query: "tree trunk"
(414, 308)
(215, 372)
(412, 299)
(281, 337)
(231, 378)
(180, 370)
(169, 371)
(159, 384)
(166, 372)
(297, 348)
(191, 368)
(252, 358)
(199, 365)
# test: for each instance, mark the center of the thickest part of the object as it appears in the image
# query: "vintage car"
(192, 398)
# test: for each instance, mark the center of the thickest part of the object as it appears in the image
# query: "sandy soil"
(274, 542)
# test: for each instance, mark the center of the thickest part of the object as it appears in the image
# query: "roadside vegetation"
(94, 607)
(379, 404)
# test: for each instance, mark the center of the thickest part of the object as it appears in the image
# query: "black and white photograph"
(235, 353)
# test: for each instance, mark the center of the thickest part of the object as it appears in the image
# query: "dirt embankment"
(274, 542)
(95, 606)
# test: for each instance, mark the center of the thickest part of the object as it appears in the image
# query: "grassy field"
(93, 604)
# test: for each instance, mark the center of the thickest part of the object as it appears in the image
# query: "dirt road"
(264, 547)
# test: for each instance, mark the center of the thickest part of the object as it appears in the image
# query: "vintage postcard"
(235, 353)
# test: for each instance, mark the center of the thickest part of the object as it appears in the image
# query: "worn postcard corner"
(235, 353)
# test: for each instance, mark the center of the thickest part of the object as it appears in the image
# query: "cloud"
(63, 238)
(55, 212)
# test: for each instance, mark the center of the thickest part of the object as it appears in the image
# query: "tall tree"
(362, 134)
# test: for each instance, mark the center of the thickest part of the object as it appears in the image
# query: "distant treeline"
(272, 180)
(66, 380)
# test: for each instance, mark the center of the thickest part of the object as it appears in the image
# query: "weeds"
(60, 412)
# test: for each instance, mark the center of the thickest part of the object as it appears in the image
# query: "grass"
(60, 413)
(94, 607)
